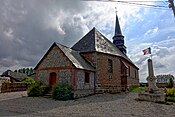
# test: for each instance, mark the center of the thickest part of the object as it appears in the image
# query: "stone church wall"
(55, 58)
(107, 82)
(133, 76)
(82, 88)
(54, 61)
(64, 76)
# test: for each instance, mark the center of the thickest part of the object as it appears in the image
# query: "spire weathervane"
(116, 10)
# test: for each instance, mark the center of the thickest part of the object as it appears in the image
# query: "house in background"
(93, 65)
(14, 76)
(164, 78)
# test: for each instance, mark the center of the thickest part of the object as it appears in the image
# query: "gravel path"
(101, 105)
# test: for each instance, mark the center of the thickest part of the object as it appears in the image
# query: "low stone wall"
(159, 85)
(110, 89)
(83, 93)
(12, 87)
(160, 97)
(162, 85)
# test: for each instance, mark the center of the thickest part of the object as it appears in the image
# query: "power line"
(126, 0)
(136, 3)
(145, 5)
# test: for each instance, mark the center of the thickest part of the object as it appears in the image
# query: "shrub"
(37, 89)
(62, 92)
(170, 83)
(170, 92)
(28, 80)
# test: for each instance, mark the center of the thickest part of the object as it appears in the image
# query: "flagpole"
(151, 56)
(150, 53)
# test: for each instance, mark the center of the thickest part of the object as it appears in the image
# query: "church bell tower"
(118, 38)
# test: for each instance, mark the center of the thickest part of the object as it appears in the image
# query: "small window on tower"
(110, 66)
(87, 79)
(110, 77)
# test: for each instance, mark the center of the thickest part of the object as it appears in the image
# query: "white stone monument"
(153, 94)
(152, 88)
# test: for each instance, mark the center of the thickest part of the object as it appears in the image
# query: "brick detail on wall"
(111, 82)
(103, 76)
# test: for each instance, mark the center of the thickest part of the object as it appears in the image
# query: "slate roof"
(94, 41)
(15, 75)
(75, 57)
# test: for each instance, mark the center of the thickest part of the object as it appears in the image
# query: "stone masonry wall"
(43, 76)
(56, 62)
(107, 82)
(90, 57)
(65, 76)
(133, 77)
(84, 89)
(55, 58)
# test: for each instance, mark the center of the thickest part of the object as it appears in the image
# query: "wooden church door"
(124, 75)
(52, 79)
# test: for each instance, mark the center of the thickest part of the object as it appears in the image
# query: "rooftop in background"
(15, 75)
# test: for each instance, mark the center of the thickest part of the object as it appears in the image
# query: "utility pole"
(171, 5)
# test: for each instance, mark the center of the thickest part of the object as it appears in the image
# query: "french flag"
(147, 51)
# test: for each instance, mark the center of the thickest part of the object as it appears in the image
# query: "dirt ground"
(101, 105)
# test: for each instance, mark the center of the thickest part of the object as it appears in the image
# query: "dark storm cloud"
(29, 27)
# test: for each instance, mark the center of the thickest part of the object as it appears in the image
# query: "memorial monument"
(152, 93)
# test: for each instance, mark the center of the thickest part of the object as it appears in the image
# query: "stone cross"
(152, 88)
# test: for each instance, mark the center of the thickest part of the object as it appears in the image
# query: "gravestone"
(153, 94)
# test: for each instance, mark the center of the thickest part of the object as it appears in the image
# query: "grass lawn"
(136, 89)
(170, 99)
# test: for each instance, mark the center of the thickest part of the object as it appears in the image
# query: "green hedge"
(37, 89)
(170, 94)
(170, 99)
(62, 92)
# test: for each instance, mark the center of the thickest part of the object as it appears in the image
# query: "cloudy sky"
(29, 27)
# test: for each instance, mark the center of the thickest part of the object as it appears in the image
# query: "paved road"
(9, 96)
(12, 95)
(101, 105)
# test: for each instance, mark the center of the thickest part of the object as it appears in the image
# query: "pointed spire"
(117, 26)
(118, 38)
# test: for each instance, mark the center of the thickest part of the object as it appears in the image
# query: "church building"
(93, 65)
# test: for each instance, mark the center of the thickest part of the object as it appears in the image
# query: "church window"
(110, 66)
(129, 72)
(87, 78)
(135, 73)
(110, 76)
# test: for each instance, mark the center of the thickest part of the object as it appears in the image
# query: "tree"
(23, 70)
(27, 71)
(170, 83)
(31, 71)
